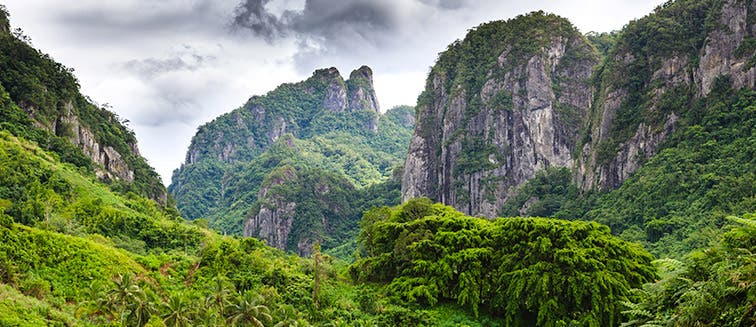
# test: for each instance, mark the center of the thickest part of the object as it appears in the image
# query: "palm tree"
(141, 309)
(247, 311)
(176, 312)
(287, 316)
(124, 291)
(97, 303)
(220, 294)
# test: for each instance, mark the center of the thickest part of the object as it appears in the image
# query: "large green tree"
(526, 270)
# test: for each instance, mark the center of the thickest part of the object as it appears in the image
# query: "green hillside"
(88, 236)
(40, 101)
(294, 125)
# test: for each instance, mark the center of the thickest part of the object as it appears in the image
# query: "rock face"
(631, 122)
(229, 157)
(362, 95)
(725, 53)
(49, 96)
(474, 142)
(489, 120)
(299, 206)
(112, 164)
(245, 132)
(273, 220)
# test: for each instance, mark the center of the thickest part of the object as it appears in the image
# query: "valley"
(544, 177)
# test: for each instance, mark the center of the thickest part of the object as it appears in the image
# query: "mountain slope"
(658, 67)
(40, 100)
(323, 129)
(77, 250)
(661, 64)
(500, 105)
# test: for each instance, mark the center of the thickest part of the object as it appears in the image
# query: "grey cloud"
(445, 4)
(173, 108)
(252, 15)
(353, 31)
(324, 21)
(189, 60)
(105, 23)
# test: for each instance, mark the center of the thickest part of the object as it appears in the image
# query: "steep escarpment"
(562, 108)
(298, 207)
(321, 104)
(660, 65)
(500, 105)
(323, 126)
(43, 104)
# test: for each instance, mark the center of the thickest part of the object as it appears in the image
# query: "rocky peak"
(335, 98)
(475, 141)
(617, 149)
(322, 103)
(484, 129)
(361, 92)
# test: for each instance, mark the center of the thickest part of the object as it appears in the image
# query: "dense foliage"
(77, 252)
(678, 200)
(526, 270)
(715, 286)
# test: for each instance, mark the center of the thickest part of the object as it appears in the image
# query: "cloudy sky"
(169, 66)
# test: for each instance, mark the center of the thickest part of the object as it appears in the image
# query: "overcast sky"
(171, 65)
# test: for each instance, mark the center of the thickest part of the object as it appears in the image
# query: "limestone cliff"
(244, 133)
(516, 97)
(300, 206)
(689, 46)
(512, 107)
(325, 122)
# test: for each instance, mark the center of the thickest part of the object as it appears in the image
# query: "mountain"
(41, 102)
(301, 160)
(616, 128)
(499, 106)
(84, 245)
(659, 66)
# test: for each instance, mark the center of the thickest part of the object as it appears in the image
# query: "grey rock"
(518, 129)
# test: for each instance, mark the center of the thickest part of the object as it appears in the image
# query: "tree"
(247, 310)
(220, 293)
(126, 296)
(318, 258)
(176, 312)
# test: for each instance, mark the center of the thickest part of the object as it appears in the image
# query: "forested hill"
(651, 184)
(648, 130)
(41, 102)
(304, 159)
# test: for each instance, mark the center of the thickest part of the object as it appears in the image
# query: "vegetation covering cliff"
(40, 101)
(663, 150)
(323, 130)
(500, 105)
(78, 249)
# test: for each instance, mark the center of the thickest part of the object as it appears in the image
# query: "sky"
(170, 66)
